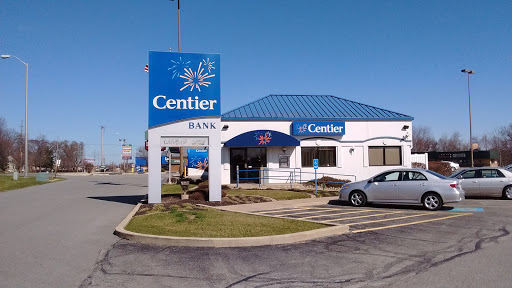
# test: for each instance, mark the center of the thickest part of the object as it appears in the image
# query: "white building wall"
(351, 149)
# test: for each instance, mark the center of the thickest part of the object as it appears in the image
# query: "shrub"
(197, 196)
(418, 165)
(338, 182)
(442, 168)
(202, 192)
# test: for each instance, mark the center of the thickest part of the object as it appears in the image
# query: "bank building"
(275, 140)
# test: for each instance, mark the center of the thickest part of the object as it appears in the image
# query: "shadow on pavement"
(107, 183)
(117, 184)
(130, 199)
(390, 206)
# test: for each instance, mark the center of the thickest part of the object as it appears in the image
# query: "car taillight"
(454, 185)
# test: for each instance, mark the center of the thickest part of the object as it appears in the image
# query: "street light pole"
(470, 130)
(26, 109)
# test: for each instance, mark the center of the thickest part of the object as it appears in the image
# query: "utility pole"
(102, 145)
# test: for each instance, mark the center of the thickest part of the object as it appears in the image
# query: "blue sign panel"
(318, 128)
(259, 138)
(197, 158)
(315, 163)
(183, 86)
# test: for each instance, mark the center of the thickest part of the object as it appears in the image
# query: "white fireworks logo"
(195, 79)
(208, 64)
(178, 66)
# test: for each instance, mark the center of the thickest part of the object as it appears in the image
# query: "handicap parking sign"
(315, 163)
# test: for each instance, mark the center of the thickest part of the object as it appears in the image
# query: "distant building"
(463, 158)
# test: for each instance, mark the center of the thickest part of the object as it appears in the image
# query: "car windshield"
(437, 174)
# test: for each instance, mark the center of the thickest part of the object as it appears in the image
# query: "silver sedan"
(404, 186)
(485, 181)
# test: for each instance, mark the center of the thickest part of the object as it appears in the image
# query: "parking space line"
(410, 223)
(327, 215)
(365, 216)
(300, 212)
(382, 220)
(277, 210)
(296, 209)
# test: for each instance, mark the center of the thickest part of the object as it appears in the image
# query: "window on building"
(326, 156)
(385, 156)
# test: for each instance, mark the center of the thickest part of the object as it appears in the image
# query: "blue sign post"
(315, 166)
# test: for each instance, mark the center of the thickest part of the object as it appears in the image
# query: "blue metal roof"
(318, 107)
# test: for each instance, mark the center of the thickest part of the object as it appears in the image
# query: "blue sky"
(86, 59)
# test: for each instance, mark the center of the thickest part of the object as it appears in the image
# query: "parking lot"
(368, 218)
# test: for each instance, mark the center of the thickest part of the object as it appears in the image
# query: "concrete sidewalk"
(239, 242)
(254, 207)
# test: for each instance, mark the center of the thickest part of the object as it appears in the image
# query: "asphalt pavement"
(52, 235)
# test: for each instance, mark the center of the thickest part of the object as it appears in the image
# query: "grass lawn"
(6, 182)
(168, 189)
(205, 222)
(274, 194)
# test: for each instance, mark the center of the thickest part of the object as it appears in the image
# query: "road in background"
(51, 235)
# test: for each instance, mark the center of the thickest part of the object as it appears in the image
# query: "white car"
(486, 181)
(453, 165)
(404, 186)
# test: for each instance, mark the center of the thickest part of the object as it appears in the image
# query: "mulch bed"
(171, 201)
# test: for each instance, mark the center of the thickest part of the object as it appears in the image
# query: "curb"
(224, 242)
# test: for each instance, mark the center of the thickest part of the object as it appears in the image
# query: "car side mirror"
(370, 181)
(459, 176)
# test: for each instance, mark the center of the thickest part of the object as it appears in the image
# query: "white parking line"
(391, 219)
(327, 215)
(365, 216)
(410, 223)
(301, 212)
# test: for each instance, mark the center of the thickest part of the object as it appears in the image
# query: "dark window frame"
(316, 155)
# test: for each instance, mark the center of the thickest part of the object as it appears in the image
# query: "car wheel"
(357, 198)
(507, 192)
(432, 201)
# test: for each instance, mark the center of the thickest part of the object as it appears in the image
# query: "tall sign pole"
(179, 50)
(179, 28)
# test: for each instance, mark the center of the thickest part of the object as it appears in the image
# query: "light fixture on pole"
(470, 130)
(26, 109)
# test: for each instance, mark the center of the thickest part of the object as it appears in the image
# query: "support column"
(154, 166)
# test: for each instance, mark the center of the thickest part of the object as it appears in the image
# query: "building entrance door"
(250, 158)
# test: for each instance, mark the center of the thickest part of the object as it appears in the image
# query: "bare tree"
(422, 139)
(7, 139)
(40, 153)
(72, 154)
(141, 152)
(452, 143)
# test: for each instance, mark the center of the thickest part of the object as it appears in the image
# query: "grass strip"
(274, 194)
(7, 184)
(212, 223)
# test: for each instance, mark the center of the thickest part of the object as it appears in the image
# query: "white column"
(154, 166)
